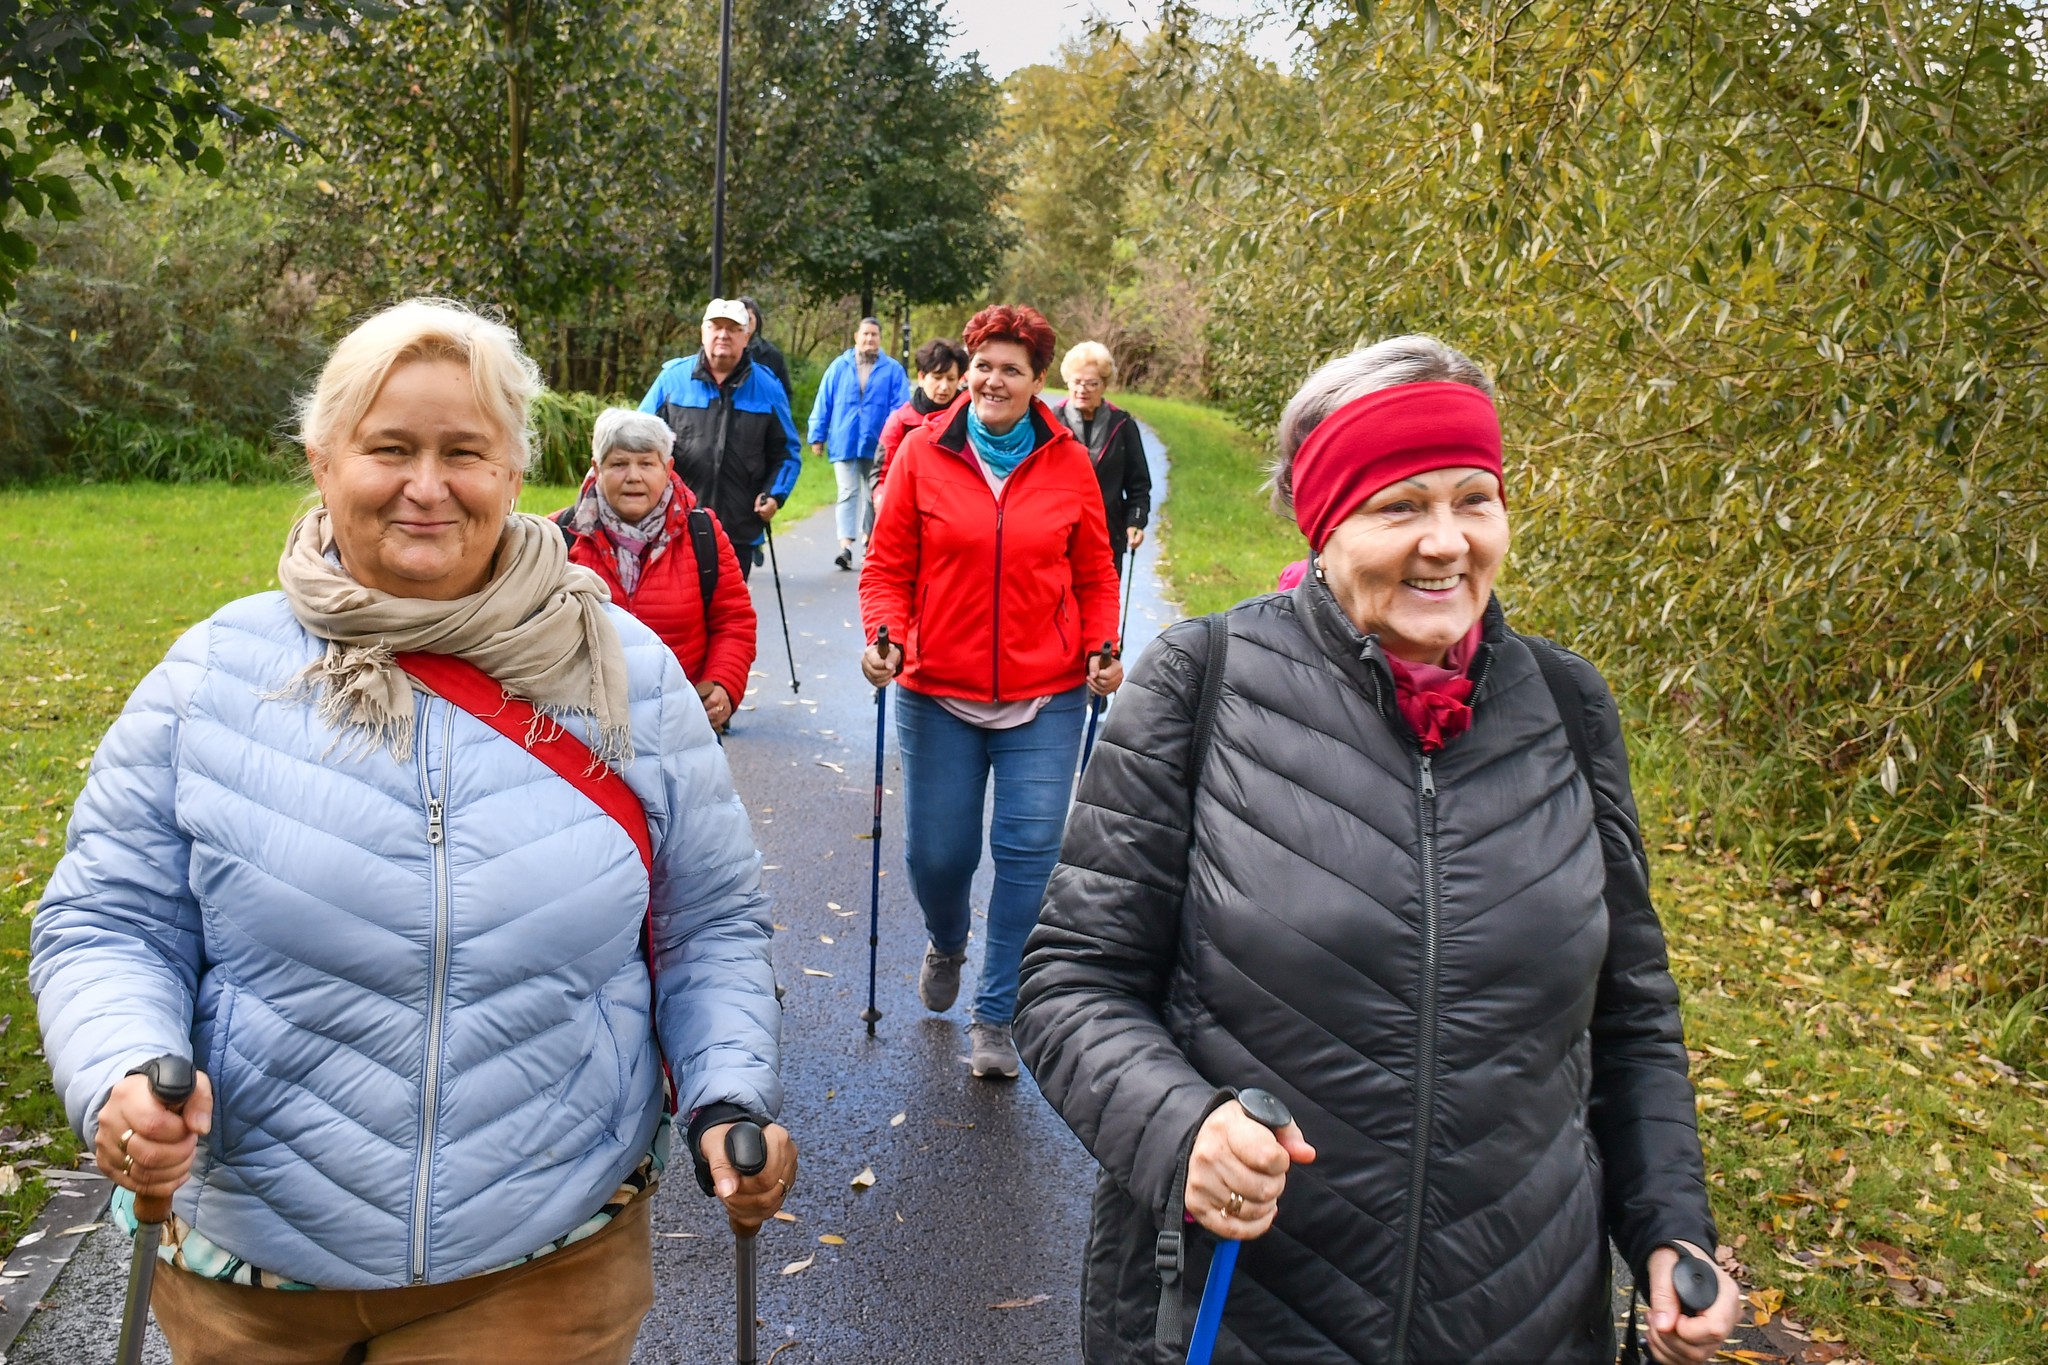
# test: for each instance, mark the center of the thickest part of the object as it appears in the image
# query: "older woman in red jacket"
(665, 559)
(990, 567)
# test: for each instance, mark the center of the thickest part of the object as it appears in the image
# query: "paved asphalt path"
(980, 1192)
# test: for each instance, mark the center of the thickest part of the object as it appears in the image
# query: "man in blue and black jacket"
(736, 443)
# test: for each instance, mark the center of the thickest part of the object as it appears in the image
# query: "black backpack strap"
(704, 541)
(1570, 698)
(1218, 631)
(1169, 1256)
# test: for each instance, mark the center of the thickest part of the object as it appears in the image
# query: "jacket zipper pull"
(1428, 781)
(434, 820)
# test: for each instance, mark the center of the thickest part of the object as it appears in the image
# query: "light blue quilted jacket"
(418, 987)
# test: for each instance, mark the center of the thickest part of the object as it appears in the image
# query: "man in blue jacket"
(860, 389)
(736, 443)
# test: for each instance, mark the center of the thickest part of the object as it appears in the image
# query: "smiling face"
(1001, 382)
(940, 385)
(1415, 563)
(418, 493)
(632, 481)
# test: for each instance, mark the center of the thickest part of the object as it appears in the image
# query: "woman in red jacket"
(990, 567)
(633, 526)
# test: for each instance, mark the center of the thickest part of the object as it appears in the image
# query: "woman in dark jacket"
(1114, 445)
(1387, 888)
(989, 569)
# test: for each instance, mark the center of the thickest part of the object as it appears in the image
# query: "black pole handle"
(882, 646)
(171, 1080)
(1265, 1106)
(1695, 1282)
(746, 1147)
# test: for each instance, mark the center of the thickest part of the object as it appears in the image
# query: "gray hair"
(1382, 365)
(629, 429)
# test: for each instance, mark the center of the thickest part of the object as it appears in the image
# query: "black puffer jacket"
(1354, 928)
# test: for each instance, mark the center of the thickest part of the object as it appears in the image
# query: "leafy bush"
(187, 308)
(113, 449)
(1763, 286)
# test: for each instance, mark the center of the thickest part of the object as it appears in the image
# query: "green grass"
(1879, 1173)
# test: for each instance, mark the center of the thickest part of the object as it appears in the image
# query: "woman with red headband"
(990, 568)
(1362, 846)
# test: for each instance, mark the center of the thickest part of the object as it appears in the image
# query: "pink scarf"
(1433, 698)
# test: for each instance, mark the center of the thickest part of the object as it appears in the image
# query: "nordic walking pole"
(776, 569)
(747, 1149)
(1267, 1108)
(171, 1080)
(871, 1014)
(1123, 630)
(1095, 707)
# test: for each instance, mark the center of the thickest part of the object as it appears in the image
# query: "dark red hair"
(1020, 324)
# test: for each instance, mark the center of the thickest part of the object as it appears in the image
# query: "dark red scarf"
(1434, 699)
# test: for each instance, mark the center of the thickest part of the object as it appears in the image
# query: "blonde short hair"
(1089, 353)
(504, 377)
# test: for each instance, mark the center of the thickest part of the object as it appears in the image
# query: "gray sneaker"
(938, 984)
(995, 1054)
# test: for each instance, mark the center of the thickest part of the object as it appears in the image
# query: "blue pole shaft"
(875, 882)
(1209, 1317)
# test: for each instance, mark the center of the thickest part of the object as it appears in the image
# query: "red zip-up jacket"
(991, 600)
(670, 602)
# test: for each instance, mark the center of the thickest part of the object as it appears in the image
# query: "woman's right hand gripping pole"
(1238, 1169)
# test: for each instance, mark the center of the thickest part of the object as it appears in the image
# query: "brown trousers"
(581, 1305)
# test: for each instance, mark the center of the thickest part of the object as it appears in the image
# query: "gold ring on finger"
(126, 1133)
(1233, 1207)
(127, 1164)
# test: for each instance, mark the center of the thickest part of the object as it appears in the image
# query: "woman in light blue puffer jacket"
(406, 957)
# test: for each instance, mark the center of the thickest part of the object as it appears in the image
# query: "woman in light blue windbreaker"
(410, 961)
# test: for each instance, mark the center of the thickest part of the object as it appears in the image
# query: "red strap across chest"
(461, 683)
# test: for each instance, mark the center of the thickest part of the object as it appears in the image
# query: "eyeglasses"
(1087, 384)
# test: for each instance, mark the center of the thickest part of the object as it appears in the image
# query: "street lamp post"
(718, 177)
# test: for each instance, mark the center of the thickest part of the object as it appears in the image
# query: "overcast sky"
(1014, 33)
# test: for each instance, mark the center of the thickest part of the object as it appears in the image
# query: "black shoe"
(844, 559)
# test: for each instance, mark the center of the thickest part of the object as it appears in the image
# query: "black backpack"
(703, 540)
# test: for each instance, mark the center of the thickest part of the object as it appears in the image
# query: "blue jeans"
(946, 763)
(855, 510)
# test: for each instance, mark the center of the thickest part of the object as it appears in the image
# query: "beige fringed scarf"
(538, 627)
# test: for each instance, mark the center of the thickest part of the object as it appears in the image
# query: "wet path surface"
(980, 1192)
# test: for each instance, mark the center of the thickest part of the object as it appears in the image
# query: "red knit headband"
(1386, 436)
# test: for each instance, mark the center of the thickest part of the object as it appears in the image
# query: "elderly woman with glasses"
(427, 861)
(1365, 847)
(1113, 442)
(665, 559)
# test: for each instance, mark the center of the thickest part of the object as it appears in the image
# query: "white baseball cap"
(732, 310)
